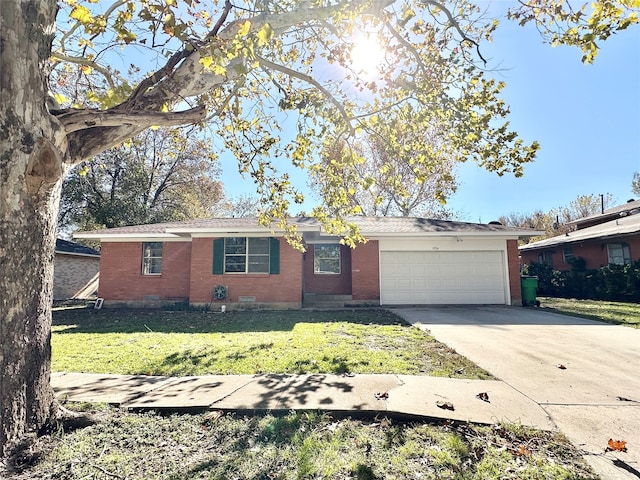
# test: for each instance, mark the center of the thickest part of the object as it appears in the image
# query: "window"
(567, 255)
(545, 257)
(246, 255)
(326, 259)
(619, 253)
(152, 258)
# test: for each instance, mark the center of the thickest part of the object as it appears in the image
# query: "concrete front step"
(325, 301)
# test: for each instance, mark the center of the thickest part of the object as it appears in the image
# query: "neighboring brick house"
(235, 262)
(76, 270)
(612, 237)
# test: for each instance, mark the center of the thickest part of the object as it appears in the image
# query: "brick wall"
(283, 288)
(513, 264)
(121, 275)
(75, 276)
(365, 272)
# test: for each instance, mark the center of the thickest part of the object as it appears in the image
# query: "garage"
(442, 277)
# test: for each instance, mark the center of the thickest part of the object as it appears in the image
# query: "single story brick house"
(75, 270)
(239, 264)
(612, 237)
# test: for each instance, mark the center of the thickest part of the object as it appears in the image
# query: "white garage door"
(474, 277)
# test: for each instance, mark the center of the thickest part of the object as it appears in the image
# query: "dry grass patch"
(304, 445)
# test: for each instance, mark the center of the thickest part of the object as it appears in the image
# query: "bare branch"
(75, 120)
(454, 23)
(83, 61)
(311, 81)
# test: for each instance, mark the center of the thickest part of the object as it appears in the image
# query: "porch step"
(316, 300)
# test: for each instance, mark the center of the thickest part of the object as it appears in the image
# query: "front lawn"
(302, 445)
(611, 312)
(156, 342)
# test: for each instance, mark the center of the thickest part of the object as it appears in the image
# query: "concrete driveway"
(584, 374)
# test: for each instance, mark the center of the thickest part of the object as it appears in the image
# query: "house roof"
(614, 228)
(629, 208)
(73, 248)
(369, 226)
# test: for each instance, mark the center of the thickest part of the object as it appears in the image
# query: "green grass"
(155, 342)
(296, 446)
(611, 312)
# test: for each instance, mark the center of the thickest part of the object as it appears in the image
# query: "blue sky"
(586, 118)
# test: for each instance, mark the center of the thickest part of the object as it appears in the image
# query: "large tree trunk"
(32, 146)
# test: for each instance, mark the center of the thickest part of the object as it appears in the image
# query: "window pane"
(619, 253)
(328, 266)
(326, 259)
(246, 255)
(234, 263)
(151, 258)
(153, 265)
(235, 245)
(258, 263)
(568, 254)
(258, 246)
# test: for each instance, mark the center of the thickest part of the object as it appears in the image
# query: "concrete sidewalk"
(359, 394)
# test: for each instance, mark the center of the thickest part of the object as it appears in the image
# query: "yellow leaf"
(165, 108)
(86, 69)
(219, 70)
(206, 61)
(82, 14)
(61, 98)
(265, 34)
(244, 29)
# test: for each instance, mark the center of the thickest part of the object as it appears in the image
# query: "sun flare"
(366, 56)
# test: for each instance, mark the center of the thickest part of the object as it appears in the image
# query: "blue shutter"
(274, 256)
(218, 256)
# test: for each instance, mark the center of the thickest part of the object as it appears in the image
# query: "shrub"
(612, 282)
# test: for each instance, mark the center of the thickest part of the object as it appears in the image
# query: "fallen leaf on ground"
(561, 366)
(382, 396)
(484, 396)
(522, 451)
(616, 446)
(445, 405)
(625, 399)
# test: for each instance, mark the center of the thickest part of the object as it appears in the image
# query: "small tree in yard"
(66, 96)
(160, 175)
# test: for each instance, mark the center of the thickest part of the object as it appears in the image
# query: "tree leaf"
(265, 34)
(82, 14)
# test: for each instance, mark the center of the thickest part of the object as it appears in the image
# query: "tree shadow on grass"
(154, 320)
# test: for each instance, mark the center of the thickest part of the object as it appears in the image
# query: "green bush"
(612, 282)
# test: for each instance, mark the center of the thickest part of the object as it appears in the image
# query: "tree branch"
(454, 23)
(83, 61)
(310, 80)
(75, 120)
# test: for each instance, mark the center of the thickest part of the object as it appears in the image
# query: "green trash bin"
(529, 286)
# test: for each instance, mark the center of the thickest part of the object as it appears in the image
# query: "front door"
(327, 269)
